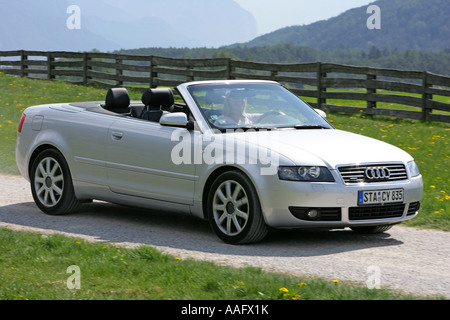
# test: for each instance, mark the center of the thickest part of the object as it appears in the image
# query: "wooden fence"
(416, 95)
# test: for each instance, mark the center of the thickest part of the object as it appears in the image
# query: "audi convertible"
(248, 156)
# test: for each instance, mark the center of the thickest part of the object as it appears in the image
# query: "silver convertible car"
(249, 156)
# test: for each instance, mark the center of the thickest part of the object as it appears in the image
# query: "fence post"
(85, 68)
(227, 69)
(189, 74)
(50, 67)
(23, 67)
(273, 74)
(153, 75)
(369, 91)
(231, 69)
(321, 100)
(119, 72)
(425, 96)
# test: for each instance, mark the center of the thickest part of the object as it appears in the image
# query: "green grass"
(380, 105)
(427, 142)
(19, 93)
(35, 267)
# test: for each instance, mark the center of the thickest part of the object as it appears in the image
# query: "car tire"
(51, 183)
(234, 210)
(372, 229)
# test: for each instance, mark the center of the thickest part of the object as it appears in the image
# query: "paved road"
(413, 260)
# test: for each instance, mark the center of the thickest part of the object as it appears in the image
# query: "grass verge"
(35, 266)
(46, 267)
(427, 142)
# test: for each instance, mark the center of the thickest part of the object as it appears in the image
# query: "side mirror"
(176, 119)
(321, 113)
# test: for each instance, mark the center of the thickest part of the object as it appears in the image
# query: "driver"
(234, 109)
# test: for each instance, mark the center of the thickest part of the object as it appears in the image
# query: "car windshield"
(254, 106)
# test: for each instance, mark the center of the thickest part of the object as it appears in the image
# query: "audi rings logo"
(377, 173)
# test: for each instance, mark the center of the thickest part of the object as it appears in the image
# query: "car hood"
(329, 147)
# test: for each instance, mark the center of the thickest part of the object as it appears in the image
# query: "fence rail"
(342, 88)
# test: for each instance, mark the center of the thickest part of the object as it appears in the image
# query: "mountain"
(405, 24)
(41, 25)
(114, 24)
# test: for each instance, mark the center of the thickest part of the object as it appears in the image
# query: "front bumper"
(284, 204)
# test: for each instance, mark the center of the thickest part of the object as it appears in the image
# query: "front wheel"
(234, 211)
(51, 183)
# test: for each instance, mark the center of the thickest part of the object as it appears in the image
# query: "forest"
(413, 35)
(419, 60)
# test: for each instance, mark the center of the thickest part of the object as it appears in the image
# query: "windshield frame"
(248, 88)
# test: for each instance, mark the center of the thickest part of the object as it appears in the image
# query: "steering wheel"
(266, 117)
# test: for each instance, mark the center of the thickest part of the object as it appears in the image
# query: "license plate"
(380, 196)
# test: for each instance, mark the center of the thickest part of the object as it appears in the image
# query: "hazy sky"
(271, 15)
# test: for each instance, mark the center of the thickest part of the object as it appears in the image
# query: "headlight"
(413, 169)
(305, 173)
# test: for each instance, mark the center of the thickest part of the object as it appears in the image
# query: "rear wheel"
(51, 183)
(234, 210)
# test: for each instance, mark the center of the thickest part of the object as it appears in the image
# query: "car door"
(84, 136)
(139, 161)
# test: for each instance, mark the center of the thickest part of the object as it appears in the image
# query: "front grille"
(413, 208)
(356, 173)
(376, 211)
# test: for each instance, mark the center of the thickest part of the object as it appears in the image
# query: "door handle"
(117, 135)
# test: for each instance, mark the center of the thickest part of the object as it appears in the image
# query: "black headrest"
(158, 97)
(117, 98)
